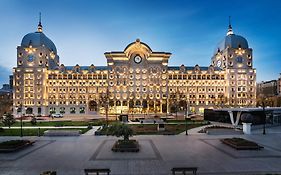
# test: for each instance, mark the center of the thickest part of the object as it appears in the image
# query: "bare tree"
(104, 101)
(6, 104)
(8, 120)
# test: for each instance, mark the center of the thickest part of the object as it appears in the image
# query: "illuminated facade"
(136, 80)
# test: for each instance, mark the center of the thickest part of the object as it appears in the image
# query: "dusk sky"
(83, 30)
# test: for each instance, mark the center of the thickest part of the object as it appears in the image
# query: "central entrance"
(93, 106)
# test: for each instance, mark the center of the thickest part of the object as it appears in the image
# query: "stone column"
(238, 115)
(161, 102)
(231, 117)
(148, 101)
(247, 128)
(154, 106)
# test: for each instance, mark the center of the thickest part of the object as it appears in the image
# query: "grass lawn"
(188, 122)
(86, 123)
(151, 129)
(62, 123)
(32, 132)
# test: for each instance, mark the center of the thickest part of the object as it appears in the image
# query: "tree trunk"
(126, 138)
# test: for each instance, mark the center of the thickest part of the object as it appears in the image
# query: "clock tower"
(138, 78)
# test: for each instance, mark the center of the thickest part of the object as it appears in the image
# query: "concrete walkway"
(268, 130)
(195, 131)
(91, 132)
(158, 154)
(47, 127)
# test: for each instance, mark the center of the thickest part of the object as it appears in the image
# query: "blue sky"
(83, 30)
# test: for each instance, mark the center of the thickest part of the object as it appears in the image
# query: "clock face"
(30, 58)
(137, 59)
(219, 63)
(239, 59)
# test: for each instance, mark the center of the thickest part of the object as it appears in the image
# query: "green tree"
(120, 130)
(8, 120)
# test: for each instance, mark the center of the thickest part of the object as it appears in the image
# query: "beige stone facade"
(136, 80)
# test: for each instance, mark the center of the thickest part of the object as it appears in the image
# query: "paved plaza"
(158, 154)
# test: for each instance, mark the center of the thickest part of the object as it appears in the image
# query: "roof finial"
(229, 31)
(40, 27)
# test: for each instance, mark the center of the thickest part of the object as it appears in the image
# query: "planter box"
(7, 150)
(62, 133)
(241, 144)
(132, 146)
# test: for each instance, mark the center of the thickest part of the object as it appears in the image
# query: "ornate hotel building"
(136, 80)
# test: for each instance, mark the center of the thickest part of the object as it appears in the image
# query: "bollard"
(38, 132)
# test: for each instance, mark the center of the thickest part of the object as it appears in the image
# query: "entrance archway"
(151, 107)
(164, 108)
(93, 106)
(182, 105)
(29, 111)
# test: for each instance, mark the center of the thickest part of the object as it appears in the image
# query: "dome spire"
(40, 27)
(229, 31)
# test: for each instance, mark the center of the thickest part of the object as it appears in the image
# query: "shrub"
(1, 130)
(90, 126)
(13, 143)
(33, 121)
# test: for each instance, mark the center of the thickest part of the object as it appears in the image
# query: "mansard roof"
(87, 67)
(204, 68)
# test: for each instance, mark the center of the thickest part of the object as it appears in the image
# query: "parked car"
(57, 115)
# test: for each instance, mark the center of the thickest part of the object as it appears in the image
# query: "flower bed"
(126, 146)
(14, 145)
(241, 144)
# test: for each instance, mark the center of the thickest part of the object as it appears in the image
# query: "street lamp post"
(107, 105)
(264, 117)
(21, 126)
(16, 110)
(186, 115)
(21, 131)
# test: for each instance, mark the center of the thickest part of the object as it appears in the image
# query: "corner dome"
(233, 41)
(38, 39)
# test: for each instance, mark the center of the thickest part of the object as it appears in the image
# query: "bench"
(184, 169)
(97, 171)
